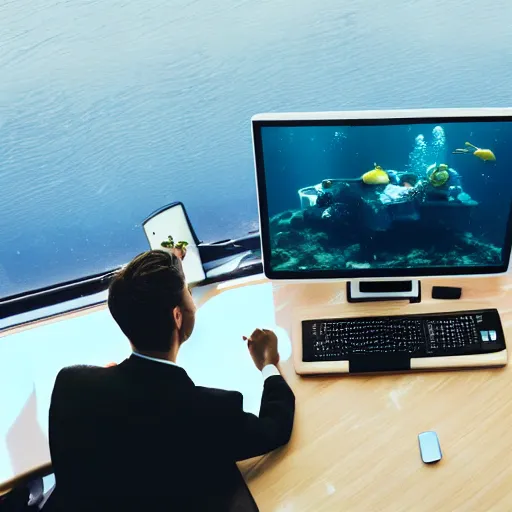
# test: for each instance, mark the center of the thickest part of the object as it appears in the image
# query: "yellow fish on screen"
(484, 154)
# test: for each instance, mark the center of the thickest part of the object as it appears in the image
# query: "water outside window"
(112, 109)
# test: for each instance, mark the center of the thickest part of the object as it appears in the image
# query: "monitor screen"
(381, 197)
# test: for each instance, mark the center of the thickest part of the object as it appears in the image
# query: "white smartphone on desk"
(430, 448)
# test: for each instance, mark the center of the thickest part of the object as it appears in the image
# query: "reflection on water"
(108, 110)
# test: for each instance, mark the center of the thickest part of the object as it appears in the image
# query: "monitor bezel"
(362, 118)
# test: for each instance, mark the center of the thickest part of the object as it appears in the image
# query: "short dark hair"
(142, 296)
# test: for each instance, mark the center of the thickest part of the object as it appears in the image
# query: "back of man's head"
(142, 297)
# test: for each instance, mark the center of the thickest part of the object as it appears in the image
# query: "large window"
(109, 110)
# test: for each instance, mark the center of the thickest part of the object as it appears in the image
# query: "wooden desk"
(355, 441)
(354, 446)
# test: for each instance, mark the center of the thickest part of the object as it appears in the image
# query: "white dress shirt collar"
(165, 361)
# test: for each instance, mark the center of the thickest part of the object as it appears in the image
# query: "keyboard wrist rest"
(472, 360)
(493, 359)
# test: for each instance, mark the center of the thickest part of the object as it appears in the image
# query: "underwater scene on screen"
(387, 196)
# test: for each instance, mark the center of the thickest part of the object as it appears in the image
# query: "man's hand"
(262, 345)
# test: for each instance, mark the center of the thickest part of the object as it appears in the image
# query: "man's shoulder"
(217, 393)
(215, 397)
(70, 376)
(80, 369)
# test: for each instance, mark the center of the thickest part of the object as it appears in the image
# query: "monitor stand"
(379, 290)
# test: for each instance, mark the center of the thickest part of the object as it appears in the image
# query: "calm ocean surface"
(110, 109)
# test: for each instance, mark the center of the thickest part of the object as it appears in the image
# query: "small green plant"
(169, 243)
(181, 246)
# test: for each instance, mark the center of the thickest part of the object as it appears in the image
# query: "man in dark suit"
(141, 435)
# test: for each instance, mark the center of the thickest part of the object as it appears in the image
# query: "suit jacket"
(142, 436)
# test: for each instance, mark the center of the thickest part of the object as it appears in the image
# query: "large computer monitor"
(384, 194)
